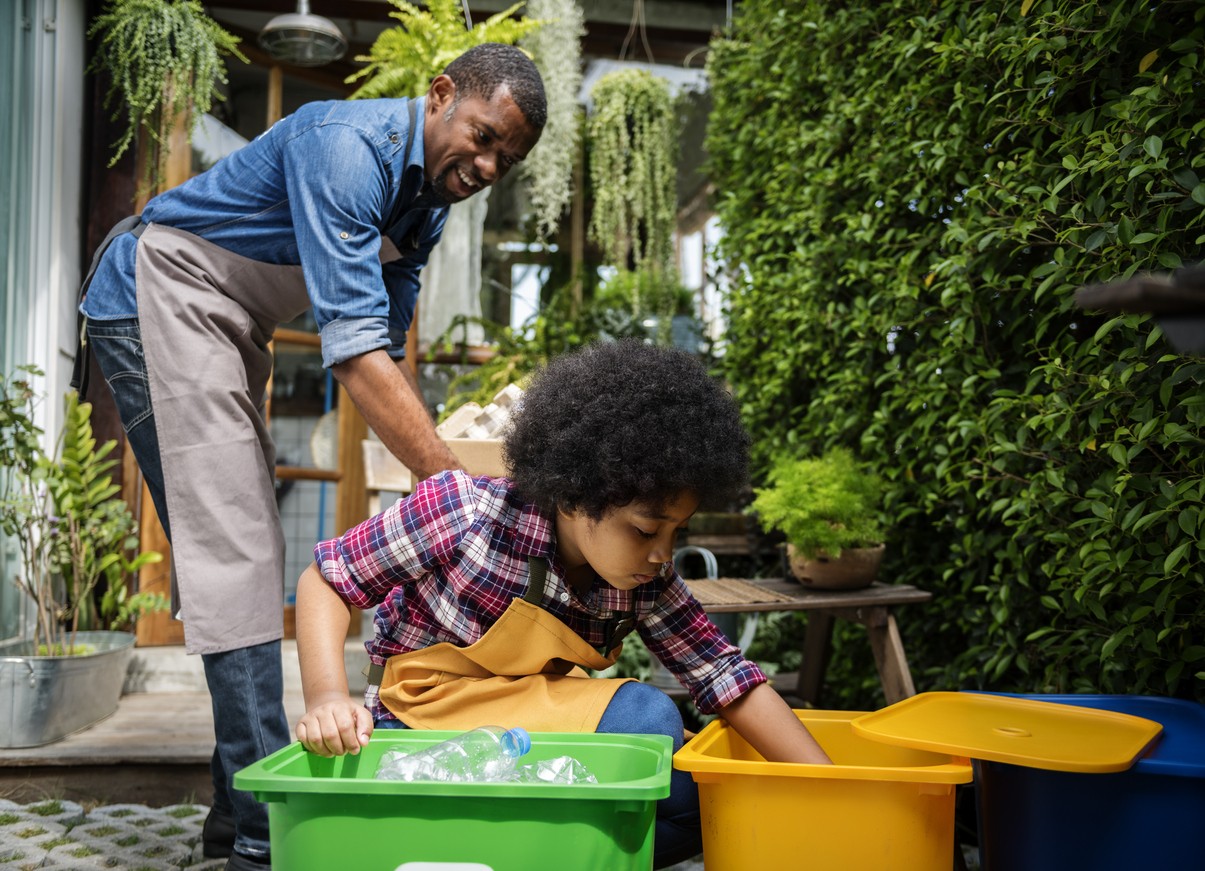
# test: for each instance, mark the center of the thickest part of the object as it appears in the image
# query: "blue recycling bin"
(1150, 816)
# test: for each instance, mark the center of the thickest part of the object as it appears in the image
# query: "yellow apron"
(527, 670)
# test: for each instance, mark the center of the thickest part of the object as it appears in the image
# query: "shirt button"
(343, 235)
(394, 138)
(564, 597)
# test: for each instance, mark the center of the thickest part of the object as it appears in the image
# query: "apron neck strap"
(618, 627)
(537, 569)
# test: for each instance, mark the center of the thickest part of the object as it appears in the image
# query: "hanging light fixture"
(302, 39)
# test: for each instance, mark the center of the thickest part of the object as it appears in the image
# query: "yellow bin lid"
(1019, 731)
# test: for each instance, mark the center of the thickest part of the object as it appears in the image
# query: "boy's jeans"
(246, 685)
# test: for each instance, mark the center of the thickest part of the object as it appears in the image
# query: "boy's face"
(628, 546)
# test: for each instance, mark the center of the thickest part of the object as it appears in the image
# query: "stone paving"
(63, 835)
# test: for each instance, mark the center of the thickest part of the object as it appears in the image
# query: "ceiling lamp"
(303, 40)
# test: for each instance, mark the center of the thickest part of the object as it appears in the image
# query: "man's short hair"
(483, 68)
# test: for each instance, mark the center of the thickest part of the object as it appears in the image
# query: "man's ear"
(441, 94)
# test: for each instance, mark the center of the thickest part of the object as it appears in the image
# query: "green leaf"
(1174, 558)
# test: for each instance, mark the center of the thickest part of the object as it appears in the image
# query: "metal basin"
(46, 698)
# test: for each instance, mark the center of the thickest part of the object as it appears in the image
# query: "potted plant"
(73, 533)
(828, 509)
(164, 60)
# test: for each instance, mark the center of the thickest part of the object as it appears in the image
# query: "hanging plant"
(404, 59)
(557, 51)
(164, 59)
(633, 170)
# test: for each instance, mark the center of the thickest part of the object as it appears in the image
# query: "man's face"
(471, 144)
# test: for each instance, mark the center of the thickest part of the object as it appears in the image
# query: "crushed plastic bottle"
(563, 769)
(482, 755)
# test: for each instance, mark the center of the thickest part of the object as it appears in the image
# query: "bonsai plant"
(72, 533)
(828, 509)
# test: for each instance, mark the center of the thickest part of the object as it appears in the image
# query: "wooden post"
(159, 628)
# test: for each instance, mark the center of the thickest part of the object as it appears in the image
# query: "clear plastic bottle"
(484, 754)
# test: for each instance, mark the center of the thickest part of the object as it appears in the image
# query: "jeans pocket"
(118, 349)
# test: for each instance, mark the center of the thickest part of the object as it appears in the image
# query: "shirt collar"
(417, 155)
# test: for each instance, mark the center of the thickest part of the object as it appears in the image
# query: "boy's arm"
(334, 723)
(763, 719)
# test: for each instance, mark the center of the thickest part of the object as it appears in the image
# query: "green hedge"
(911, 194)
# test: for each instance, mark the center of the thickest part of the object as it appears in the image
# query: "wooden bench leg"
(816, 645)
(889, 656)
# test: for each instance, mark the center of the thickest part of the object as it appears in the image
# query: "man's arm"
(387, 394)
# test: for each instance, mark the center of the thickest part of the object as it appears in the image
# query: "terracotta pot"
(855, 568)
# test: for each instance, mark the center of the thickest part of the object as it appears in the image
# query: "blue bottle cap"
(516, 742)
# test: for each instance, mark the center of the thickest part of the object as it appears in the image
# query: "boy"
(495, 593)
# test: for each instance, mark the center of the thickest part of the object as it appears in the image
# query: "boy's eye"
(644, 534)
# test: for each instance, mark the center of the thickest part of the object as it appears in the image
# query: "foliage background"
(912, 191)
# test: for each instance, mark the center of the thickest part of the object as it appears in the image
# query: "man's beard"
(434, 194)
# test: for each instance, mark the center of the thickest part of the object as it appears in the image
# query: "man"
(335, 208)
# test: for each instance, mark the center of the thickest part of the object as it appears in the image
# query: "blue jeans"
(246, 685)
(642, 709)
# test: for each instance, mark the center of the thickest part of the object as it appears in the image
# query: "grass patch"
(103, 831)
(183, 812)
(49, 809)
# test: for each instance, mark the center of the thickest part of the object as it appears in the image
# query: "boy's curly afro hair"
(624, 422)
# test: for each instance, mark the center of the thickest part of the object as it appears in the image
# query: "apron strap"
(618, 627)
(79, 369)
(537, 574)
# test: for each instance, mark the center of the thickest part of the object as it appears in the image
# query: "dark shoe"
(217, 835)
(239, 862)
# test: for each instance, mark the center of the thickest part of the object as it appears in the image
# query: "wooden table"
(871, 607)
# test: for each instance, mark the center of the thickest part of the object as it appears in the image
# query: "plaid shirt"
(444, 563)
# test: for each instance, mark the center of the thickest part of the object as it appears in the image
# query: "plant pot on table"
(855, 568)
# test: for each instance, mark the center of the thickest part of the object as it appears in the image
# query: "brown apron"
(207, 317)
(526, 670)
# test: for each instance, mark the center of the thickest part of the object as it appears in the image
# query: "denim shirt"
(319, 189)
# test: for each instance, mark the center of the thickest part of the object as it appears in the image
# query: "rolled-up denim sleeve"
(338, 189)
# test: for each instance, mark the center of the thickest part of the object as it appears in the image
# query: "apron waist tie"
(80, 368)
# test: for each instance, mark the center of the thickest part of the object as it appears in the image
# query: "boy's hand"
(336, 727)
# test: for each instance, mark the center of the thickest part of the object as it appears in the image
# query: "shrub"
(911, 194)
